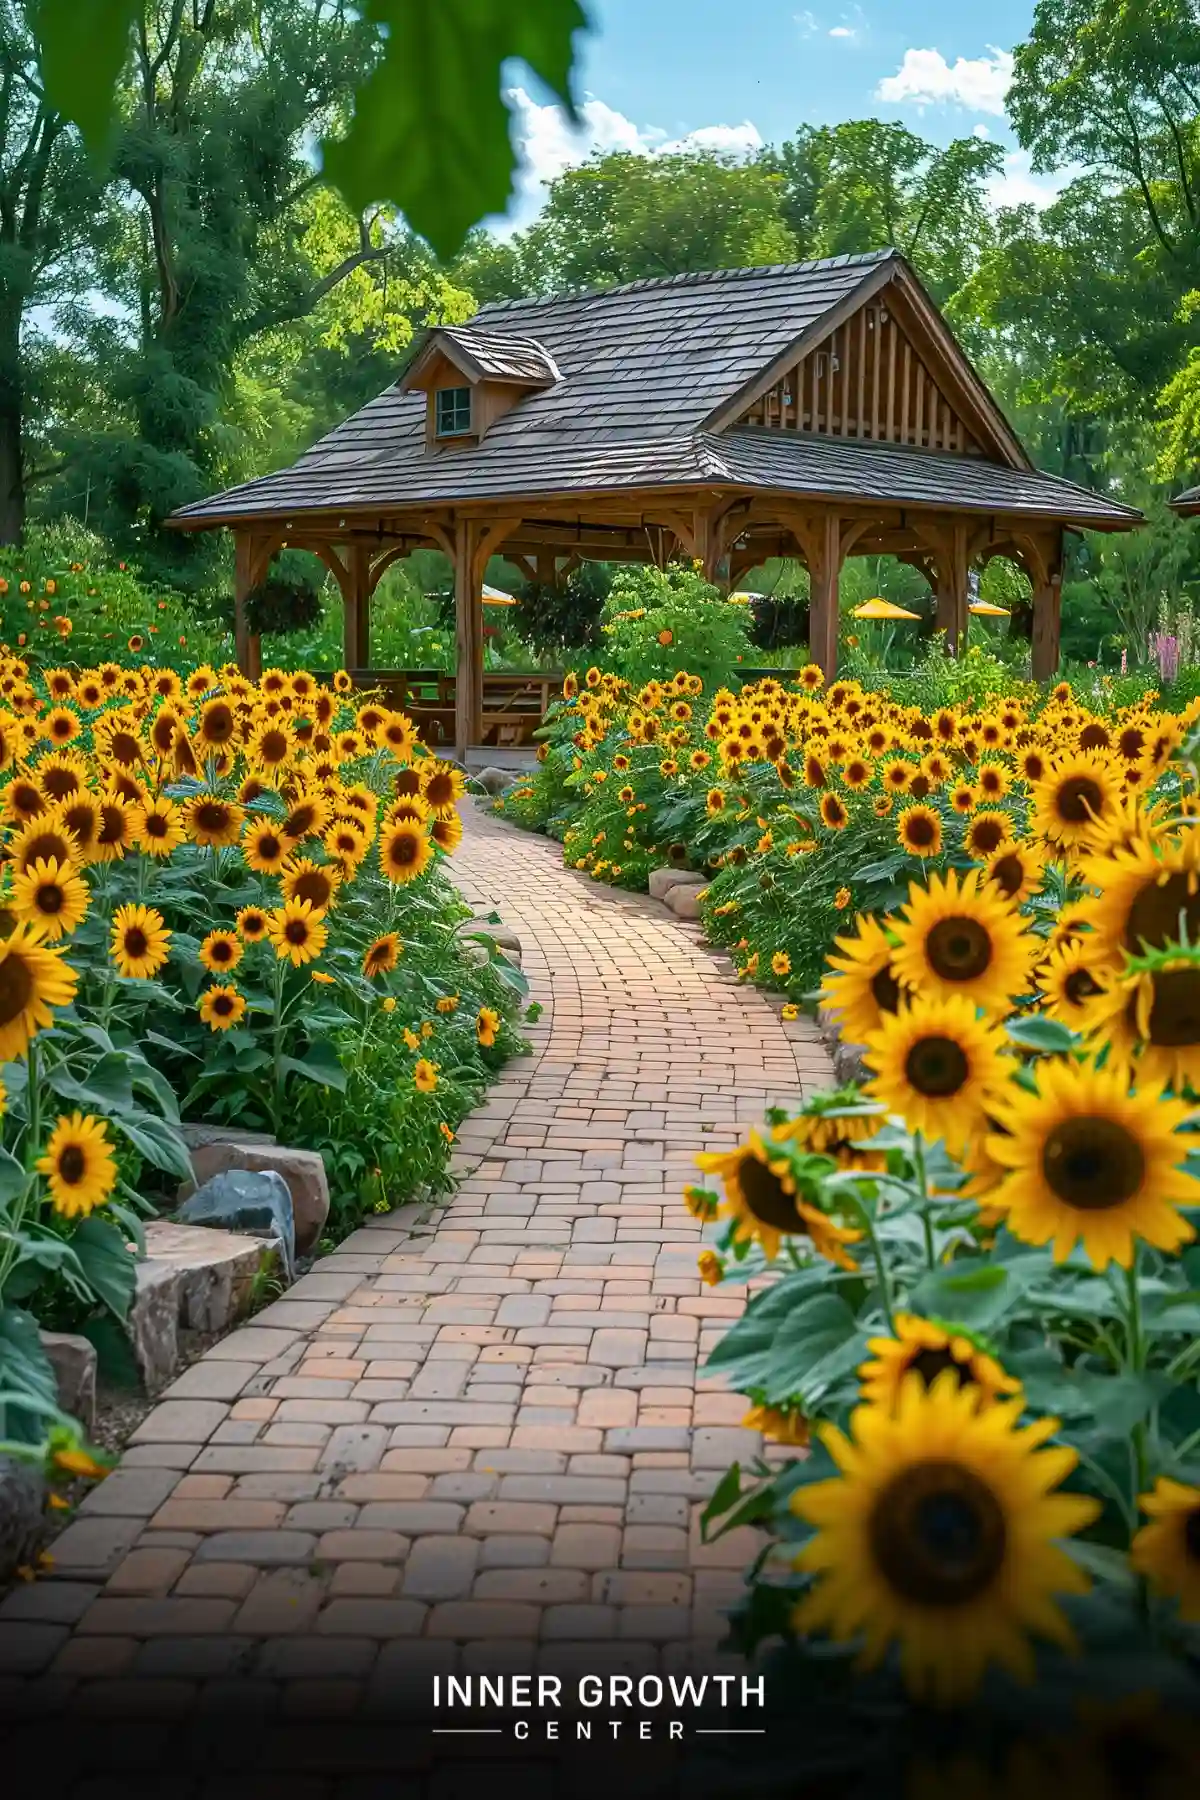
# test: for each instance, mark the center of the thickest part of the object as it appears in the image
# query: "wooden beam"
(952, 571)
(356, 632)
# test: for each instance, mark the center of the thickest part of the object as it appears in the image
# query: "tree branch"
(267, 319)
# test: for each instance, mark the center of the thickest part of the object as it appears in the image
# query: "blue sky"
(737, 72)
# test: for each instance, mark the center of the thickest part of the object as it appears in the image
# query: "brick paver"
(488, 1425)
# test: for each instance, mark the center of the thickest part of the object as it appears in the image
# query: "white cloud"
(925, 78)
(852, 29)
(548, 144)
(808, 22)
(1016, 184)
(842, 31)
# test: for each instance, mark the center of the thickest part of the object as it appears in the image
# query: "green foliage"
(656, 621)
(280, 605)
(564, 615)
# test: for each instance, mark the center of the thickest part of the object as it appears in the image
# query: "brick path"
(483, 1430)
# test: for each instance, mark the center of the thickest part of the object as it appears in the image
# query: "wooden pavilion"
(815, 410)
(1188, 503)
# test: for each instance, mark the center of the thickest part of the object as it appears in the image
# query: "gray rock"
(494, 781)
(663, 880)
(197, 1136)
(22, 1515)
(256, 1201)
(684, 902)
(499, 934)
(302, 1171)
(73, 1360)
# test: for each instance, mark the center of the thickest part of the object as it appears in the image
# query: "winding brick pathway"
(485, 1429)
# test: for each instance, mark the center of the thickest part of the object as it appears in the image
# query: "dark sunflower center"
(403, 850)
(1079, 986)
(959, 949)
(315, 888)
(296, 931)
(72, 1164)
(222, 951)
(1191, 1535)
(218, 725)
(223, 1005)
(936, 1067)
(136, 942)
(987, 836)
(1080, 800)
(16, 988)
(938, 1535)
(212, 816)
(885, 990)
(50, 898)
(1175, 1010)
(766, 1196)
(1155, 916)
(156, 825)
(1008, 874)
(921, 831)
(932, 1363)
(60, 783)
(269, 847)
(1093, 1163)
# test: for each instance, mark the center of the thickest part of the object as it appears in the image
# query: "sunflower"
(212, 821)
(833, 813)
(446, 832)
(1017, 870)
(317, 883)
(264, 846)
(781, 963)
(1069, 981)
(986, 833)
(24, 800)
(345, 841)
(761, 1198)
(964, 798)
(861, 989)
(78, 1165)
(222, 1007)
(44, 839)
(217, 727)
(1149, 895)
(425, 1075)
(926, 1348)
(1153, 1015)
(1086, 1159)
(961, 937)
(404, 852)
(1167, 1551)
(919, 831)
(297, 932)
(61, 724)
(714, 803)
(220, 952)
(273, 743)
(50, 895)
(157, 827)
(381, 956)
(895, 775)
(937, 1064)
(940, 1534)
(487, 1025)
(253, 924)
(140, 942)
(1076, 798)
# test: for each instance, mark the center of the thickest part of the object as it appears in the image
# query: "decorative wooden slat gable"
(867, 380)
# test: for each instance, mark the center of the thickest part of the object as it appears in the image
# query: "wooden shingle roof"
(639, 387)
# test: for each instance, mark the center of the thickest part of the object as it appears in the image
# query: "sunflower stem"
(1137, 1362)
(33, 1131)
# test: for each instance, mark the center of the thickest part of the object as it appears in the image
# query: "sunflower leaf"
(1047, 1036)
(108, 1268)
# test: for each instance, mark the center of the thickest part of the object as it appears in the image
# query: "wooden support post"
(248, 643)
(952, 570)
(468, 688)
(357, 645)
(1047, 616)
(823, 551)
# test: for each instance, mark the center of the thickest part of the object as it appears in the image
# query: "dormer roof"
(480, 355)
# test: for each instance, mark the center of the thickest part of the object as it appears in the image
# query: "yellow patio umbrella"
(992, 612)
(496, 597)
(883, 609)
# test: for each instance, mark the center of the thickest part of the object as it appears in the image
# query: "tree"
(623, 217)
(225, 239)
(865, 185)
(49, 198)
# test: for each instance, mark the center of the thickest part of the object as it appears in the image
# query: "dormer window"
(453, 418)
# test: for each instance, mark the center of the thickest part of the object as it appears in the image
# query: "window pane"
(453, 411)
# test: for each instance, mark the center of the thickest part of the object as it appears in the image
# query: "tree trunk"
(12, 408)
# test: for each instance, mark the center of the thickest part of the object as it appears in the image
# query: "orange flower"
(665, 638)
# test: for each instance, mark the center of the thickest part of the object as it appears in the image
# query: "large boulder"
(494, 781)
(302, 1172)
(73, 1360)
(663, 880)
(22, 1516)
(193, 1278)
(684, 902)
